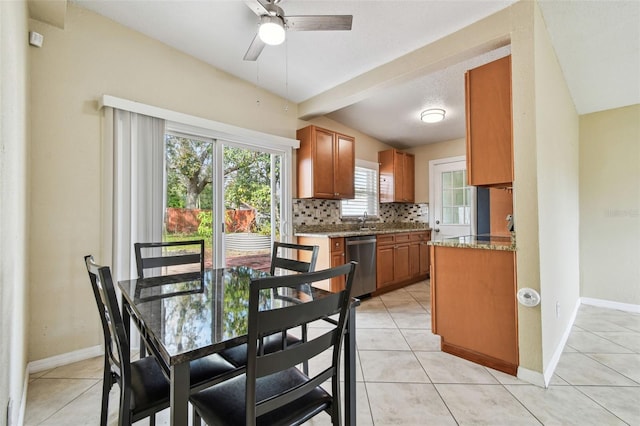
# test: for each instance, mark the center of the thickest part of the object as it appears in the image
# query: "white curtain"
(138, 187)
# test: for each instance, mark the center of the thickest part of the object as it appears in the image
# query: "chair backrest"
(113, 327)
(154, 258)
(296, 265)
(265, 322)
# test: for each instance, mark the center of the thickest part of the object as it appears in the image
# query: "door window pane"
(456, 198)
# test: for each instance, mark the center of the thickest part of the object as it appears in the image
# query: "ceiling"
(597, 43)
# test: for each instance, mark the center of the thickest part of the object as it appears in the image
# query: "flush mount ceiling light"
(271, 30)
(432, 115)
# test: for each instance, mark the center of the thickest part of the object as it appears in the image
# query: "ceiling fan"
(273, 24)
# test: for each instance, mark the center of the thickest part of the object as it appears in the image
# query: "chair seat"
(238, 355)
(224, 404)
(150, 388)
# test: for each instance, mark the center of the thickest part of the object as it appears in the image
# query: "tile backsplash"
(327, 212)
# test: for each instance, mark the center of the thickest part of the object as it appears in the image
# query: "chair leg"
(152, 420)
(107, 383)
(143, 348)
(196, 418)
(305, 363)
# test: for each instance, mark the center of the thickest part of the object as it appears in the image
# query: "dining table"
(184, 317)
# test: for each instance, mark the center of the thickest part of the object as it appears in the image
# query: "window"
(366, 191)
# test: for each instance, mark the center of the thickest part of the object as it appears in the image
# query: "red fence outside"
(185, 221)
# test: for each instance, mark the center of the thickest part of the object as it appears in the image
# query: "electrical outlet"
(557, 309)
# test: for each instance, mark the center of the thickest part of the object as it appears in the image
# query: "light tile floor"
(404, 379)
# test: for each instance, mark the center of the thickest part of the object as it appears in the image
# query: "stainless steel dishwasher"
(362, 249)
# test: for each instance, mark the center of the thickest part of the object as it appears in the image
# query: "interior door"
(453, 201)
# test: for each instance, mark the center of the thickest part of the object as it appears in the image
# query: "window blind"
(366, 194)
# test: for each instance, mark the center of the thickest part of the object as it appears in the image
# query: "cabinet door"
(408, 178)
(414, 259)
(401, 263)
(384, 266)
(344, 166)
(489, 132)
(337, 258)
(424, 258)
(323, 165)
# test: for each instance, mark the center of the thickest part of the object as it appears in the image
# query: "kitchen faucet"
(364, 219)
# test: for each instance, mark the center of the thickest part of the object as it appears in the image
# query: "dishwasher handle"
(360, 242)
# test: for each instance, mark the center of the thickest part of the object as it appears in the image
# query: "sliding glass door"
(252, 205)
(226, 193)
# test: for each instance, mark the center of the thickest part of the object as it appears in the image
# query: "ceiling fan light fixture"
(432, 115)
(271, 30)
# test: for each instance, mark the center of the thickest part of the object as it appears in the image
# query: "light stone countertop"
(352, 230)
(486, 242)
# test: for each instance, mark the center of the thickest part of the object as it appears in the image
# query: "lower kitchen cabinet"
(331, 253)
(473, 305)
(402, 258)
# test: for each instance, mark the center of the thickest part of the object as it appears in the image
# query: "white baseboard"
(64, 359)
(533, 377)
(555, 359)
(628, 307)
(543, 379)
(23, 401)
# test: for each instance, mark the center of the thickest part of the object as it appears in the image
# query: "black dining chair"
(273, 391)
(152, 255)
(178, 256)
(280, 264)
(144, 388)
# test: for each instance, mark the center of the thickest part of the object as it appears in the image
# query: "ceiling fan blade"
(254, 50)
(257, 6)
(319, 22)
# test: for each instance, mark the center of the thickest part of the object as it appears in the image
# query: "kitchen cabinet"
(473, 305)
(419, 253)
(331, 253)
(402, 258)
(489, 124)
(325, 164)
(397, 176)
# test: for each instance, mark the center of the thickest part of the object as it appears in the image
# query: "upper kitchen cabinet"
(326, 164)
(489, 130)
(397, 176)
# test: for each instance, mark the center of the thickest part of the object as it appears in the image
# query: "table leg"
(350, 370)
(179, 398)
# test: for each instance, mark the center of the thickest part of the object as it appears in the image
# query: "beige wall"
(14, 148)
(93, 56)
(610, 205)
(558, 207)
(433, 151)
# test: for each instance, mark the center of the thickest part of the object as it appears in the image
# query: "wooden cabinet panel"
(424, 259)
(414, 259)
(473, 305)
(331, 253)
(345, 166)
(325, 164)
(489, 124)
(401, 263)
(338, 258)
(384, 266)
(323, 154)
(397, 176)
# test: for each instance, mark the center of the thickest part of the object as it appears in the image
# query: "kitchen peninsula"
(473, 299)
